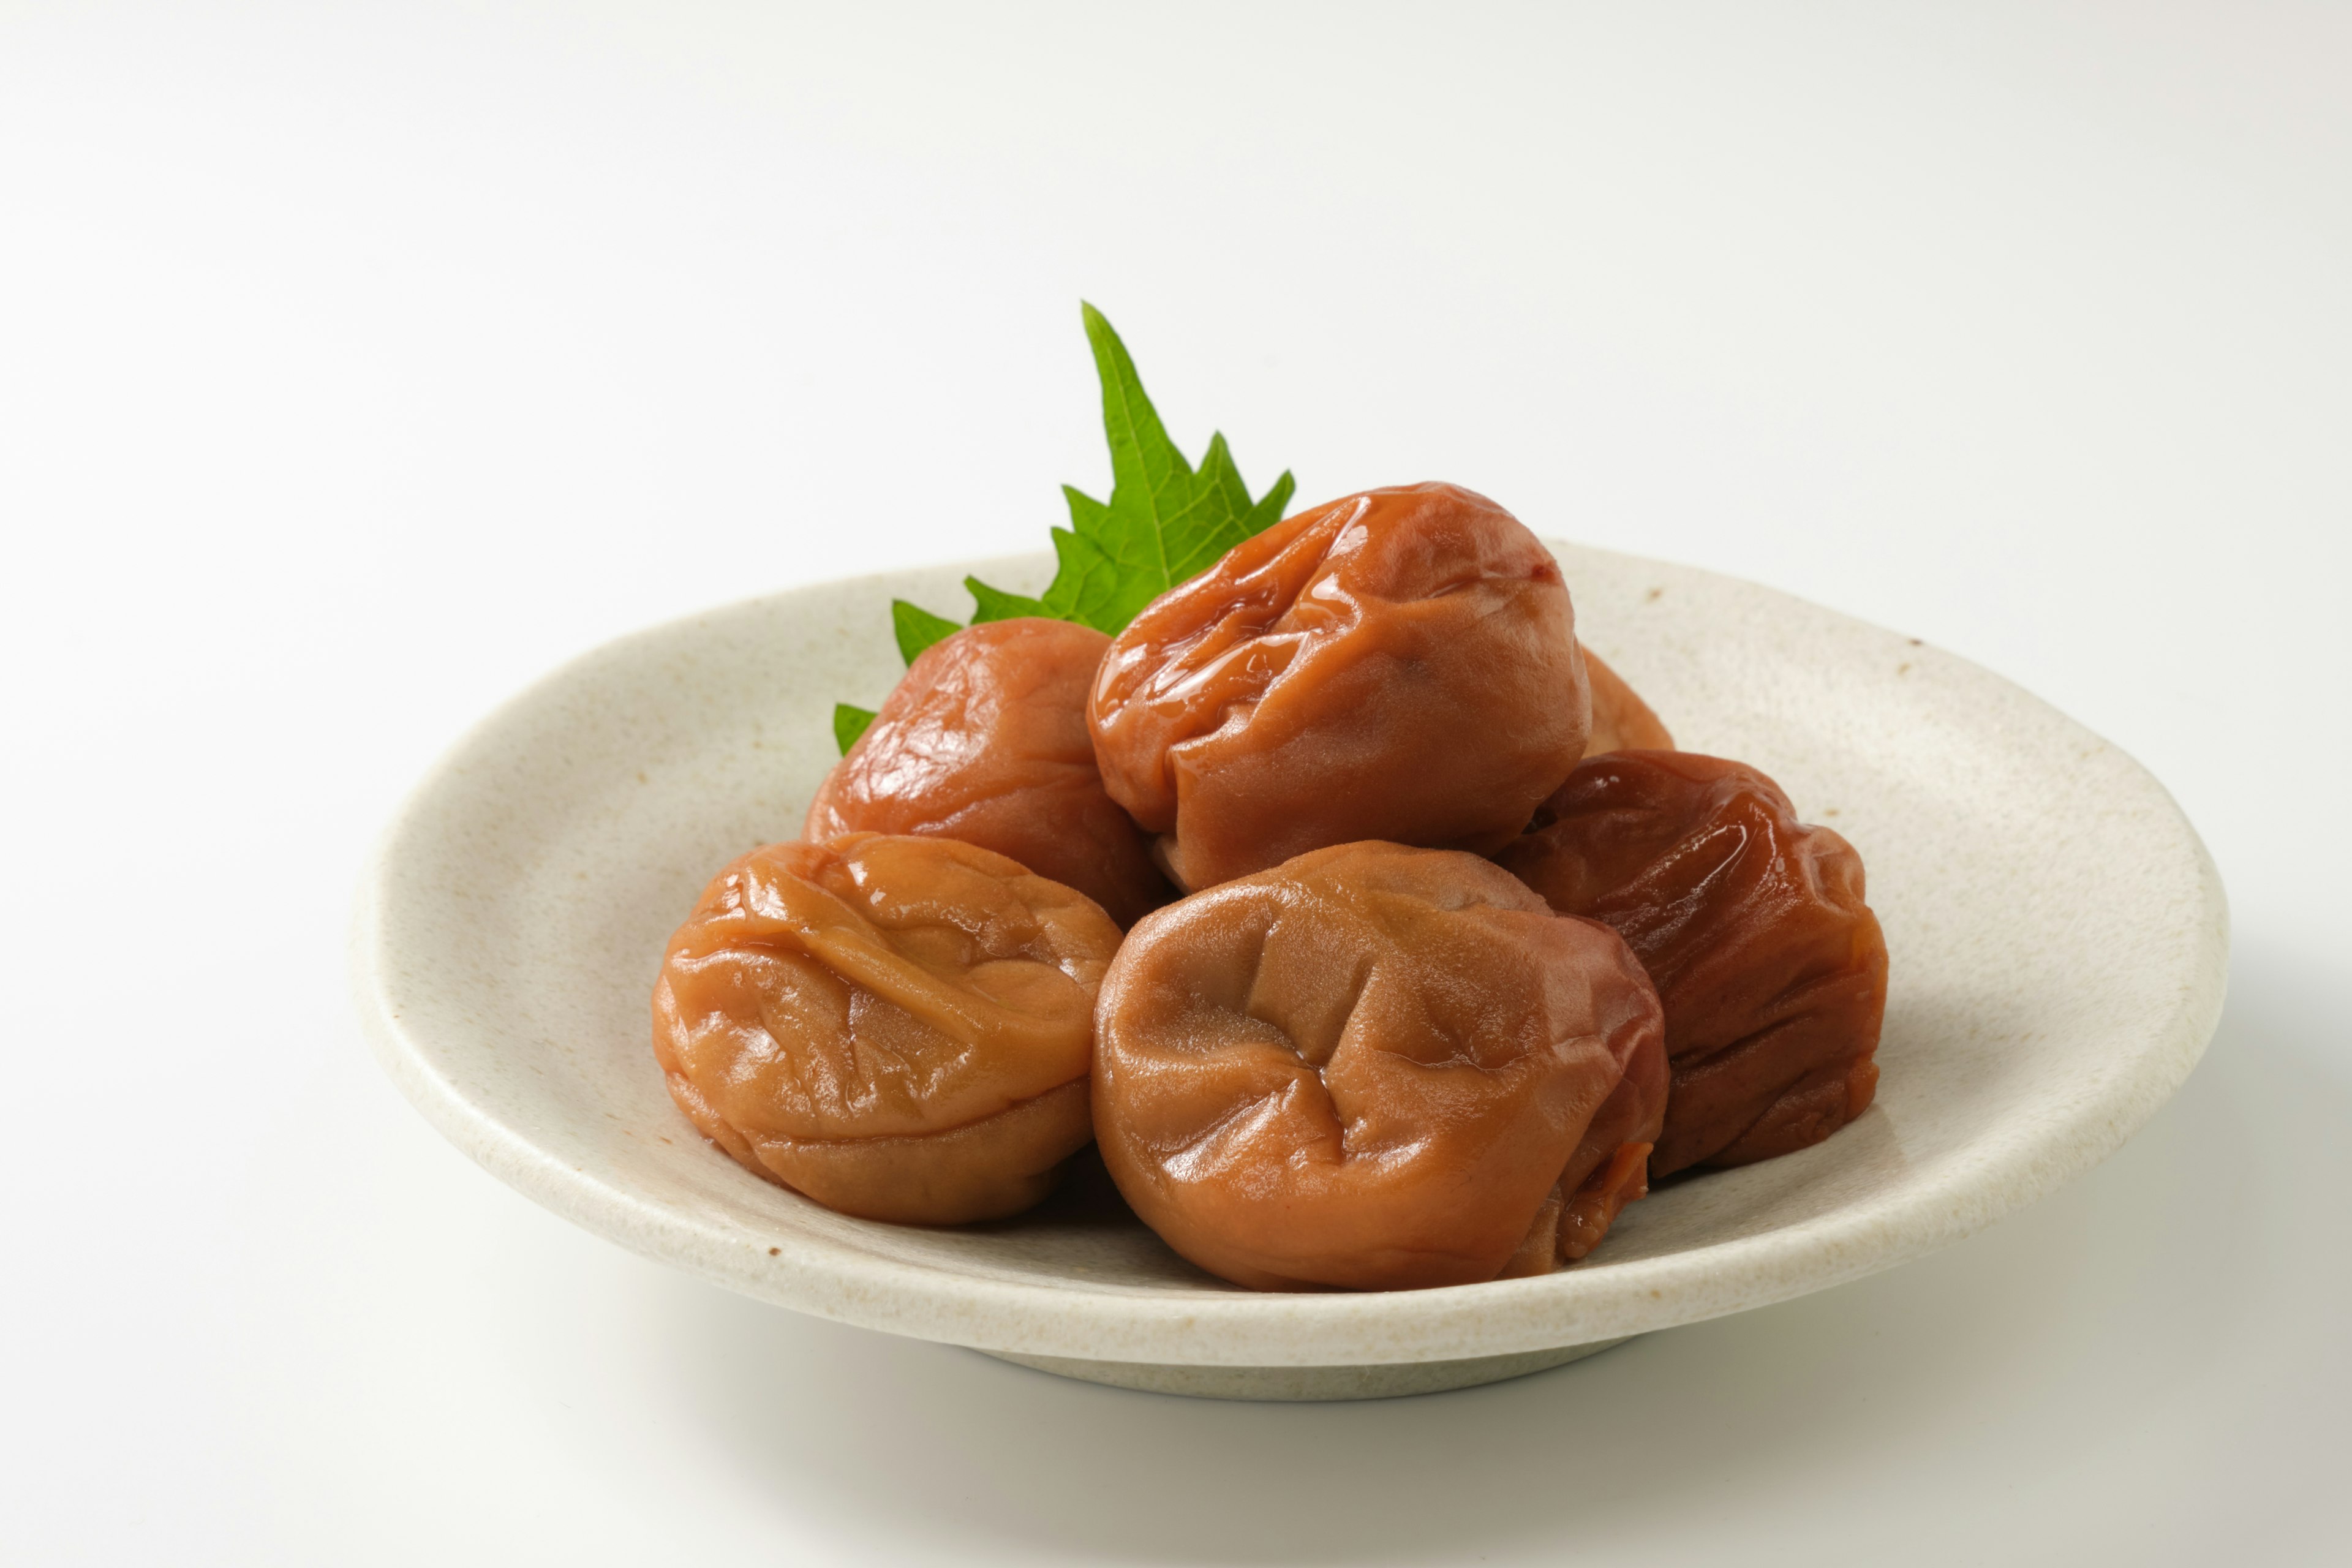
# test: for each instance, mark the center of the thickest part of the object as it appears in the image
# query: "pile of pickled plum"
(1367, 923)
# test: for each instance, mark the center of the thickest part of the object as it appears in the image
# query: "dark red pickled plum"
(900, 1028)
(986, 739)
(1398, 665)
(1376, 1068)
(1621, 721)
(1771, 967)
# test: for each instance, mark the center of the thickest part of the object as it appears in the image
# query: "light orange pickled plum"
(1378, 1068)
(986, 739)
(1398, 665)
(898, 1027)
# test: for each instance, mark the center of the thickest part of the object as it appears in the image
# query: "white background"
(360, 363)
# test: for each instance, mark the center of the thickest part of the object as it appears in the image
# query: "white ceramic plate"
(2057, 938)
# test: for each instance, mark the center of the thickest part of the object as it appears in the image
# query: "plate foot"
(1383, 1381)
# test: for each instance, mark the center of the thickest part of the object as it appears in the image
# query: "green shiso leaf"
(848, 723)
(996, 605)
(1165, 524)
(917, 628)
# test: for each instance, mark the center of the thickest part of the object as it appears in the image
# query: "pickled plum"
(1380, 1068)
(1771, 967)
(1398, 665)
(898, 1027)
(986, 739)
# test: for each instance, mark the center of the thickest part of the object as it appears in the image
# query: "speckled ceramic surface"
(2057, 931)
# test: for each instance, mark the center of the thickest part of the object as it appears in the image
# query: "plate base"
(1388, 1381)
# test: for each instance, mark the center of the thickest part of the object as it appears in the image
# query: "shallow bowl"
(2057, 931)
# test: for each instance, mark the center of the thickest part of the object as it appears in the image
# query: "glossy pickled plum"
(986, 739)
(1771, 967)
(1378, 1068)
(898, 1027)
(1398, 665)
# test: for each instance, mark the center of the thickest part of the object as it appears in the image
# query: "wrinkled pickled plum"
(1771, 967)
(986, 739)
(1398, 665)
(897, 1028)
(1621, 721)
(1378, 1068)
